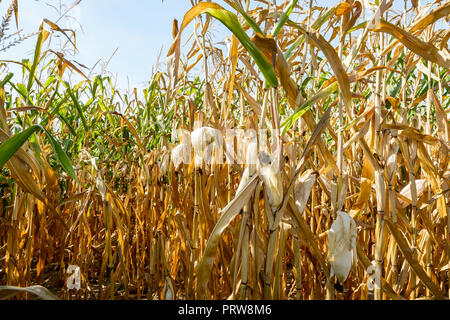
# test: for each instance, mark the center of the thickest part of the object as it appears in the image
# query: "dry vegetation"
(362, 108)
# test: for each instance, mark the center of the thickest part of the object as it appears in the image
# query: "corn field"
(344, 197)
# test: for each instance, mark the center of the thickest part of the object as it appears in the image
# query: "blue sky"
(137, 28)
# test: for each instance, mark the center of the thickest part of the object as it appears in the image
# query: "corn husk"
(303, 189)
(163, 163)
(181, 154)
(342, 245)
(272, 179)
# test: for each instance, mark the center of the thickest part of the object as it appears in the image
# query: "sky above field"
(139, 29)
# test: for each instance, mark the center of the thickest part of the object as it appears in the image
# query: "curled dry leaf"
(40, 291)
(303, 189)
(343, 8)
(419, 47)
(406, 198)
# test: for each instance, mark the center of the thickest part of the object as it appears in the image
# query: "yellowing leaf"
(232, 23)
(424, 49)
(343, 8)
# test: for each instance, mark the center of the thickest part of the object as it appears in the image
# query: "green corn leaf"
(284, 18)
(61, 155)
(21, 89)
(10, 147)
(288, 123)
(232, 23)
(247, 18)
(37, 53)
(6, 79)
(77, 105)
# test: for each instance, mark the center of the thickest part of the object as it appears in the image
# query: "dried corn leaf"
(442, 11)
(40, 291)
(406, 192)
(227, 215)
(407, 253)
(363, 197)
(424, 49)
